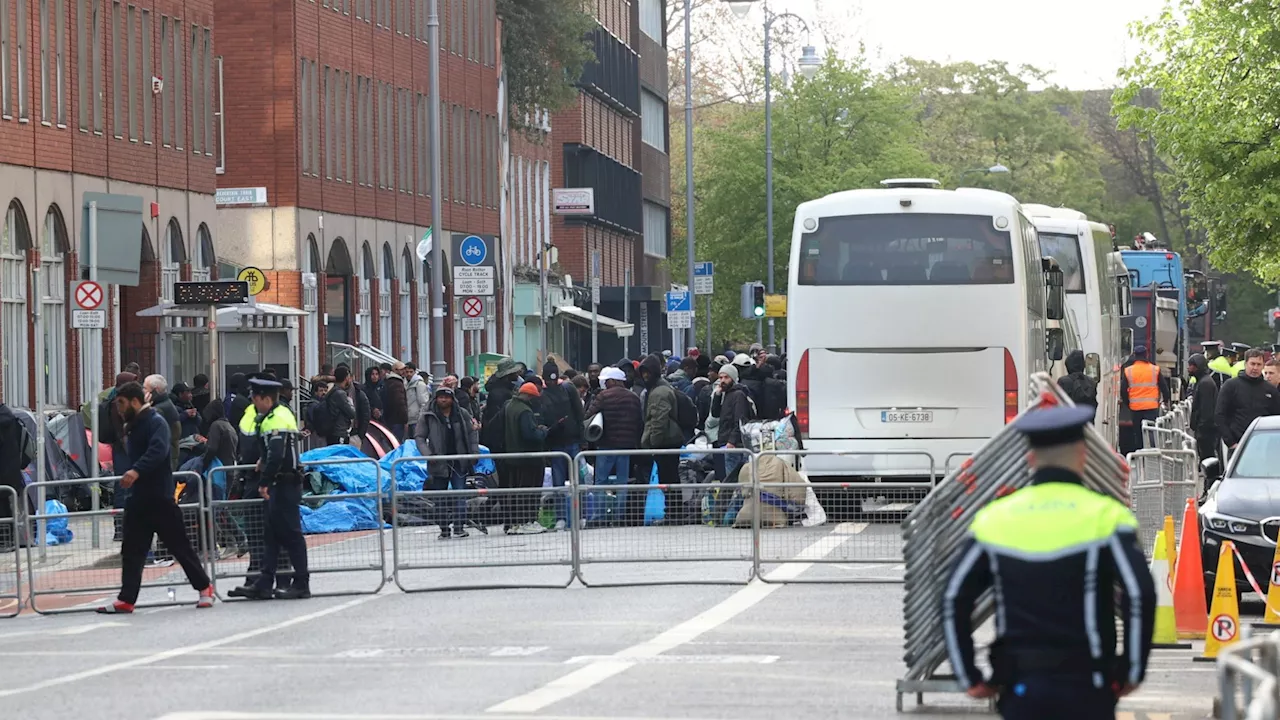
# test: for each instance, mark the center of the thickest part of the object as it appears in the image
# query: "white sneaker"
(561, 526)
(531, 528)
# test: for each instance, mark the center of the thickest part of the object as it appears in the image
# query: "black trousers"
(668, 474)
(522, 474)
(1056, 697)
(284, 530)
(254, 519)
(147, 517)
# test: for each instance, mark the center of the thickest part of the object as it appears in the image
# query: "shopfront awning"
(614, 325)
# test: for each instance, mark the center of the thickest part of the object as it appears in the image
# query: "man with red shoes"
(150, 509)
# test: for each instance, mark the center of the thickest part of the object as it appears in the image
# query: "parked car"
(1243, 505)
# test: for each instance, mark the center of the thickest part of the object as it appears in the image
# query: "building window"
(424, 147)
(406, 141)
(406, 308)
(327, 90)
(148, 112)
(45, 75)
(446, 150)
(15, 240)
(82, 64)
(197, 93)
(6, 101)
(651, 21)
(53, 284)
(206, 265)
(304, 127)
(347, 113)
(131, 71)
(366, 301)
(22, 59)
(460, 188)
(653, 115)
(166, 108)
(179, 98)
(208, 91)
(655, 230)
(385, 333)
(455, 27)
(117, 84)
(314, 73)
(99, 96)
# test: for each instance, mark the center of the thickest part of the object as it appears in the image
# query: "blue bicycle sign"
(473, 250)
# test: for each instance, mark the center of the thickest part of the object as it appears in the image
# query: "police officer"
(280, 483)
(1216, 364)
(1238, 361)
(254, 514)
(1053, 551)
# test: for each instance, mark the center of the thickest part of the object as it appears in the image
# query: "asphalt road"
(684, 651)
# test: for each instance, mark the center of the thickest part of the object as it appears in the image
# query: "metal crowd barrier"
(641, 556)
(90, 567)
(10, 541)
(867, 519)
(238, 528)
(1161, 481)
(505, 561)
(1249, 678)
(935, 530)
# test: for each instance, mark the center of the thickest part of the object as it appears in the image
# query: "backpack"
(686, 414)
(772, 402)
(322, 420)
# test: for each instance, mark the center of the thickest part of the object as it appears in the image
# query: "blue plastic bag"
(219, 479)
(655, 505)
(56, 530)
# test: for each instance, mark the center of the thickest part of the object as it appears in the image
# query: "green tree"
(544, 50)
(1212, 64)
(847, 128)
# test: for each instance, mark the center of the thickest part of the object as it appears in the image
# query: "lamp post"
(438, 364)
(996, 169)
(688, 167)
(809, 64)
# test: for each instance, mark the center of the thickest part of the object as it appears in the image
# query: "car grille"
(1271, 529)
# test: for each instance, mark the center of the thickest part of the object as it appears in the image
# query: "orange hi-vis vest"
(1144, 389)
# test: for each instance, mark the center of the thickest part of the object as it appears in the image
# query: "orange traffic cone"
(1188, 580)
(1224, 616)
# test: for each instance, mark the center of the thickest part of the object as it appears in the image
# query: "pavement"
(822, 646)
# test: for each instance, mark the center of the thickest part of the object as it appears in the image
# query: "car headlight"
(1226, 523)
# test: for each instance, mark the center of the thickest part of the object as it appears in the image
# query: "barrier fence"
(82, 573)
(1249, 678)
(1160, 482)
(423, 562)
(10, 560)
(235, 531)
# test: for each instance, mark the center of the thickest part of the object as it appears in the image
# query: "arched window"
(424, 310)
(406, 308)
(206, 265)
(172, 254)
(15, 240)
(53, 284)
(337, 293)
(310, 294)
(384, 300)
(367, 273)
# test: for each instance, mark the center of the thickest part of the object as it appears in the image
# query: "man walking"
(1243, 399)
(446, 429)
(623, 420)
(1142, 387)
(1204, 402)
(151, 510)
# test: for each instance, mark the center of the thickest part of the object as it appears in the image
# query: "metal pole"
(768, 161)
(41, 364)
(95, 370)
(688, 151)
(759, 331)
(707, 347)
(213, 353)
(438, 364)
(595, 306)
(542, 302)
(626, 310)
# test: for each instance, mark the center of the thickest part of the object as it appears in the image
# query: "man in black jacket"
(623, 421)
(561, 410)
(735, 409)
(11, 433)
(499, 389)
(151, 510)
(1204, 402)
(342, 409)
(1082, 389)
(1243, 399)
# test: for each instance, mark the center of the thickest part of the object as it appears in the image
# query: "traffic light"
(757, 301)
(1275, 319)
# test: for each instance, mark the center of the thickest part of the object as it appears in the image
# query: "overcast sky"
(1082, 41)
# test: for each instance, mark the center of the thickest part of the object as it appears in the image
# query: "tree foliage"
(544, 50)
(1212, 64)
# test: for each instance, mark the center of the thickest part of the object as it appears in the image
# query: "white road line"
(181, 651)
(601, 670)
(72, 630)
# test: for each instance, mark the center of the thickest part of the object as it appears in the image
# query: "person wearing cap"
(1241, 349)
(1243, 399)
(1053, 551)
(151, 510)
(446, 429)
(623, 423)
(523, 435)
(1142, 387)
(1221, 366)
(280, 484)
(188, 415)
(732, 406)
(1204, 401)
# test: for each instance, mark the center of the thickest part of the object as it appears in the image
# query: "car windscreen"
(1066, 250)
(906, 249)
(1260, 456)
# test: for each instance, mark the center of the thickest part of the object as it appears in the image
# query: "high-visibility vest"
(1144, 388)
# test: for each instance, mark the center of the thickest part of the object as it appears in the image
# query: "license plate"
(906, 416)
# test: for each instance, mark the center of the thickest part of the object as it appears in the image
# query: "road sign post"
(679, 312)
(94, 358)
(704, 284)
(595, 306)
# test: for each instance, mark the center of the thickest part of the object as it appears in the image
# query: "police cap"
(1240, 348)
(1211, 344)
(1055, 426)
(260, 386)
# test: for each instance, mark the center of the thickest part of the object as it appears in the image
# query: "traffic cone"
(1171, 545)
(1166, 629)
(1271, 616)
(1188, 580)
(1224, 615)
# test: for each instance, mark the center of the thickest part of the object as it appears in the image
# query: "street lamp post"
(996, 169)
(688, 166)
(438, 364)
(809, 64)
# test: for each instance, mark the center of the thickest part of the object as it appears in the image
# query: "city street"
(690, 651)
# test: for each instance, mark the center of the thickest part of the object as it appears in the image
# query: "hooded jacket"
(419, 398)
(661, 425)
(149, 454)
(1242, 400)
(432, 440)
(623, 418)
(396, 410)
(561, 409)
(374, 390)
(735, 409)
(1082, 389)
(493, 430)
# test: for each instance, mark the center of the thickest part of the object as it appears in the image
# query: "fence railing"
(10, 559)
(1249, 678)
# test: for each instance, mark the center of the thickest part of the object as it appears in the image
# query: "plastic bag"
(56, 530)
(814, 515)
(655, 505)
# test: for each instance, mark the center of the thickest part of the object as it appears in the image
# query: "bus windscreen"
(906, 249)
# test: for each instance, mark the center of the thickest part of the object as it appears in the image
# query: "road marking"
(687, 631)
(73, 630)
(181, 651)
(682, 659)
(220, 715)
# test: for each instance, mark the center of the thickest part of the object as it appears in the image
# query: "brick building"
(326, 108)
(79, 113)
(614, 139)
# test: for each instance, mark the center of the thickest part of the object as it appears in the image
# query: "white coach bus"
(915, 317)
(1095, 281)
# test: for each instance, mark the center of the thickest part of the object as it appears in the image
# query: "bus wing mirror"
(1056, 341)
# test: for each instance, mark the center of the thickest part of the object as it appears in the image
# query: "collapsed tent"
(320, 514)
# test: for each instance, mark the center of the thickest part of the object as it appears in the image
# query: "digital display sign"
(218, 292)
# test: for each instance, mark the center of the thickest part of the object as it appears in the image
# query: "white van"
(1095, 280)
(915, 318)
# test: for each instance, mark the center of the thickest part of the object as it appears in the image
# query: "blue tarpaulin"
(342, 515)
(411, 475)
